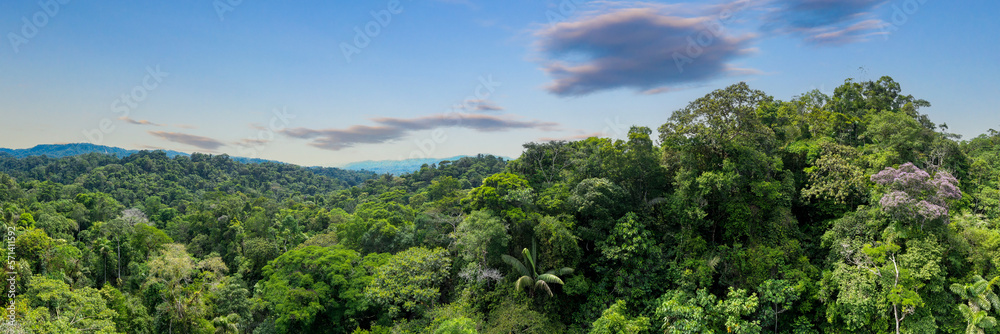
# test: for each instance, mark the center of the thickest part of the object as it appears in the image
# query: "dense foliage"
(845, 213)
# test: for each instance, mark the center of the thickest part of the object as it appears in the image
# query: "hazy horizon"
(324, 84)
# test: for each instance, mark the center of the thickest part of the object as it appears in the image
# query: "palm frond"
(550, 278)
(516, 264)
(523, 283)
(966, 312)
(713, 261)
(958, 289)
(531, 260)
(987, 322)
(544, 286)
(979, 287)
(981, 302)
(992, 297)
(534, 249)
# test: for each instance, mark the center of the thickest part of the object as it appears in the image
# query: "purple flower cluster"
(946, 185)
(907, 176)
(931, 211)
(896, 199)
(915, 194)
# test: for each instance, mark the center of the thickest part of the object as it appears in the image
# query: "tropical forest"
(849, 212)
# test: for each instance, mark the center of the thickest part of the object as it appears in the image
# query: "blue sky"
(438, 78)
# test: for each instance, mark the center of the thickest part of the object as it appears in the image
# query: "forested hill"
(843, 213)
(138, 176)
(69, 150)
(394, 167)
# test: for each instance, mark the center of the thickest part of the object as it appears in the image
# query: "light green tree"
(306, 287)
(410, 281)
(174, 274)
(701, 312)
(460, 325)
(615, 320)
(55, 308)
(778, 296)
(481, 236)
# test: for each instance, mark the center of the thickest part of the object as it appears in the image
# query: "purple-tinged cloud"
(644, 48)
(825, 22)
(480, 106)
(390, 129)
(251, 142)
(138, 122)
(183, 138)
(478, 122)
(337, 139)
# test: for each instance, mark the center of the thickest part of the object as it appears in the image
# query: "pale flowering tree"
(882, 264)
(915, 194)
(477, 273)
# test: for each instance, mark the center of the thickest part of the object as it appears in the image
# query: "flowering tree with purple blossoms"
(914, 194)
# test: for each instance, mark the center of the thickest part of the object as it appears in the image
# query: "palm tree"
(981, 299)
(105, 247)
(227, 325)
(978, 320)
(531, 279)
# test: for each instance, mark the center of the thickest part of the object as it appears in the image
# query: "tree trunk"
(118, 277)
(895, 283)
(895, 312)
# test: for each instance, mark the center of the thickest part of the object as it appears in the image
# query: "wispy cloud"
(251, 142)
(390, 128)
(138, 122)
(645, 47)
(479, 122)
(479, 106)
(825, 22)
(183, 138)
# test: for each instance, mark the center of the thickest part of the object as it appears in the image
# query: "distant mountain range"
(69, 150)
(394, 167)
(399, 167)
